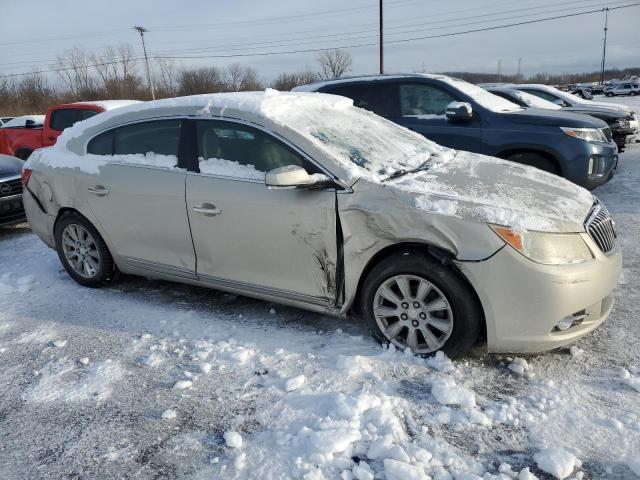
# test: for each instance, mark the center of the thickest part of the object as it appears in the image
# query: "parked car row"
(623, 125)
(463, 116)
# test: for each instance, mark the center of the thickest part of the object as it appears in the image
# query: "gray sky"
(197, 28)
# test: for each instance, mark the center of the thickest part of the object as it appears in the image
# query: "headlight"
(586, 134)
(546, 248)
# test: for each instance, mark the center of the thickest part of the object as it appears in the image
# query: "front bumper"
(11, 210)
(524, 300)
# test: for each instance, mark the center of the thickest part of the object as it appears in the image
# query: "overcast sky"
(33, 32)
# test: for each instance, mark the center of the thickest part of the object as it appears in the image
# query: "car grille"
(10, 187)
(607, 133)
(601, 228)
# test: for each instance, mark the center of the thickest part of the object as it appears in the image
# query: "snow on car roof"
(487, 100)
(109, 104)
(330, 122)
(20, 121)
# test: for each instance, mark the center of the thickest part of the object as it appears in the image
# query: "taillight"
(26, 175)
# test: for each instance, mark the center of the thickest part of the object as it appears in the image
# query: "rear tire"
(82, 251)
(448, 317)
(633, 94)
(608, 94)
(537, 160)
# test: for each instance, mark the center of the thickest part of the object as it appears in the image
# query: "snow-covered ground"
(148, 379)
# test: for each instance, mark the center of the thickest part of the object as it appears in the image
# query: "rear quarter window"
(66, 117)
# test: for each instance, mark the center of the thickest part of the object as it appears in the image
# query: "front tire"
(413, 302)
(83, 252)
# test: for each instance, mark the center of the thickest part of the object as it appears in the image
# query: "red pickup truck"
(22, 141)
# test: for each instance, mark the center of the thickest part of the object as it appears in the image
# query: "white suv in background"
(623, 89)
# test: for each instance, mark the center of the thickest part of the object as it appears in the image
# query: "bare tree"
(334, 63)
(200, 80)
(240, 78)
(33, 93)
(287, 81)
(166, 84)
(74, 69)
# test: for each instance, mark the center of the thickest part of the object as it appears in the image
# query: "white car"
(623, 89)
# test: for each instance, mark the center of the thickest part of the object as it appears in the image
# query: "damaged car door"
(278, 241)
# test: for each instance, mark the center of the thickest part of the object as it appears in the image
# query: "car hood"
(609, 106)
(606, 114)
(490, 190)
(10, 166)
(554, 118)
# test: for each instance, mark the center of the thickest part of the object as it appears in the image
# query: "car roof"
(314, 86)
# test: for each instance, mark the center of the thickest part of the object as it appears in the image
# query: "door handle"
(207, 209)
(98, 191)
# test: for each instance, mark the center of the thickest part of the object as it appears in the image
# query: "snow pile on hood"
(497, 191)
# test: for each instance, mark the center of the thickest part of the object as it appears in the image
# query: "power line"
(350, 36)
(351, 32)
(361, 45)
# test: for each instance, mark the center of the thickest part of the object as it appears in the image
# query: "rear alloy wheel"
(83, 252)
(415, 303)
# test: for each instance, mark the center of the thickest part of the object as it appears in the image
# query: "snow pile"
(556, 461)
(519, 366)
(64, 381)
(447, 392)
(497, 191)
(233, 439)
(228, 168)
(630, 380)
(294, 383)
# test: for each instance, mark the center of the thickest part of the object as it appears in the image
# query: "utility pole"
(141, 31)
(500, 70)
(604, 44)
(381, 42)
(519, 68)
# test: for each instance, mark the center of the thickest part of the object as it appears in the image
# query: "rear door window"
(65, 117)
(422, 99)
(235, 150)
(160, 137)
(378, 97)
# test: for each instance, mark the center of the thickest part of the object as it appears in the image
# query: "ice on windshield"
(364, 143)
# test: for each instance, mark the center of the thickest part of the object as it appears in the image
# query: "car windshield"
(364, 143)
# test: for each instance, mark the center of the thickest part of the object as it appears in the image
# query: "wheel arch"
(506, 154)
(436, 253)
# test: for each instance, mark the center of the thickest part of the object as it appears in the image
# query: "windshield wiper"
(402, 171)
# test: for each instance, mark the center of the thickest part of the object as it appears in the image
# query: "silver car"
(303, 199)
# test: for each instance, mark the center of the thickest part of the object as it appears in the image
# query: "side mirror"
(29, 124)
(559, 101)
(293, 176)
(459, 111)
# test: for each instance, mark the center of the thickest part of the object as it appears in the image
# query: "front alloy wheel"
(414, 302)
(413, 313)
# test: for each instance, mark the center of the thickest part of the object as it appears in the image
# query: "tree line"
(116, 73)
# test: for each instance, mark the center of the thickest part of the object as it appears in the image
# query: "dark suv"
(457, 114)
